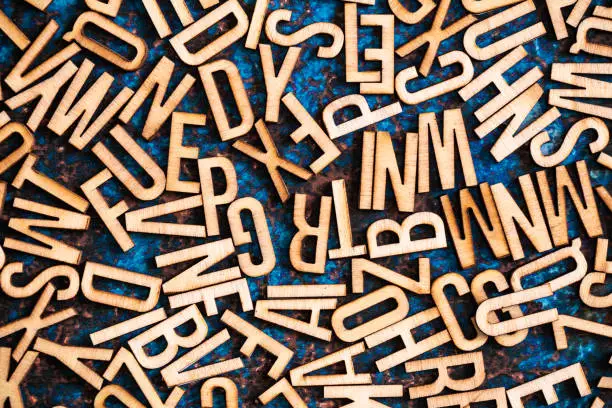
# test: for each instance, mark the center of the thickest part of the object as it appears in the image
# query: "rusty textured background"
(315, 82)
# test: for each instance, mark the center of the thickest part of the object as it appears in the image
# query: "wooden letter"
(52, 248)
(441, 365)
(158, 112)
(577, 324)
(48, 185)
(283, 387)
(582, 43)
(299, 376)
(444, 149)
(276, 84)
(173, 340)
(439, 89)
(45, 92)
(127, 326)
(465, 399)
(309, 127)
(343, 225)
(511, 215)
(256, 24)
(447, 314)
(435, 36)
(229, 388)
(517, 112)
(546, 384)
(312, 328)
(109, 215)
(557, 217)
(508, 42)
(494, 76)
(93, 269)
(412, 348)
(209, 198)
(241, 237)
(210, 294)
(109, 26)
(37, 283)
(587, 87)
(35, 322)
(546, 261)
(70, 356)
(124, 357)
(179, 41)
(141, 157)
(135, 221)
(175, 374)
(18, 79)
(13, 32)
(374, 172)
(362, 395)
(556, 15)
(598, 302)
(177, 151)
(304, 33)
(256, 337)
(271, 159)
(371, 82)
(191, 278)
(571, 137)
(480, 295)
(519, 323)
(226, 132)
(406, 244)
(373, 325)
(319, 232)
(462, 239)
(68, 111)
(360, 266)
(367, 116)
(9, 387)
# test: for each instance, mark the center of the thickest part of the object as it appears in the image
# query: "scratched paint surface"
(315, 82)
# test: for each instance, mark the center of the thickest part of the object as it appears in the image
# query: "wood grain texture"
(103, 51)
(546, 383)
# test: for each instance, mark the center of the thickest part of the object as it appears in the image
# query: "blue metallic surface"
(315, 82)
